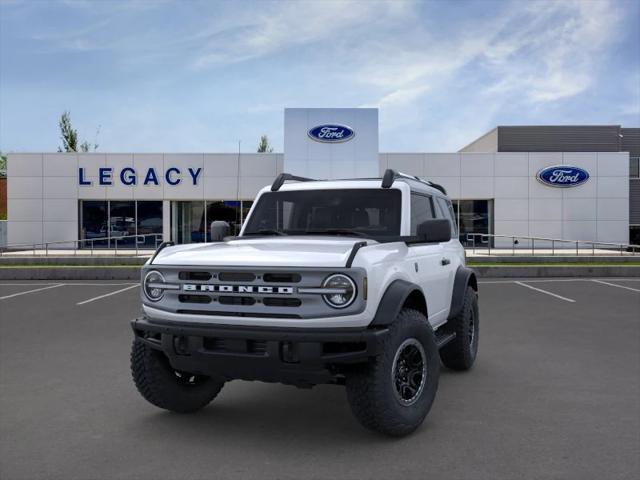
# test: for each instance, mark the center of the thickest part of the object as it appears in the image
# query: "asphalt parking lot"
(555, 393)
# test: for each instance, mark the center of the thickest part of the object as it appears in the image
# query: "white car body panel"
(424, 265)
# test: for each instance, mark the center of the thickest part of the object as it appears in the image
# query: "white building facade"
(104, 198)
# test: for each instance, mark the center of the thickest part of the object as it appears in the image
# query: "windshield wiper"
(266, 231)
(336, 231)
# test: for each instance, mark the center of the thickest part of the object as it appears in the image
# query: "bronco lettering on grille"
(192, 287)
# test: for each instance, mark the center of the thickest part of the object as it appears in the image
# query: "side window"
(447, 212)
(421, 210)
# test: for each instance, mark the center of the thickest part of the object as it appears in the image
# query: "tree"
(3, 165)
(69, 136)
(263, 146)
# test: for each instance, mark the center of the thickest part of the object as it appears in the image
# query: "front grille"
(261, 292)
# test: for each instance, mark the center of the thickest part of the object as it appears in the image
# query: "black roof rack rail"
(283, 177)
(391, 175)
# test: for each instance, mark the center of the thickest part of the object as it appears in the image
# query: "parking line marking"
(554, 280)
(83, 284)
(31, 291)
(614, 285)
(544, 291)
(107, 294)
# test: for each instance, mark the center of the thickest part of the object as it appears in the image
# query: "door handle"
(445, 261)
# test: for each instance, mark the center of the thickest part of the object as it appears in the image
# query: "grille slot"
(282, 302)
(214, 344)
(236, 300)
(236, 276)
(343, 347)
(218, 313)
(257, 347)
(194, 299)
(197, 276)
(281, 277)
(253, 347)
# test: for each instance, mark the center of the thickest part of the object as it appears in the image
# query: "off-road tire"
(371, 389)
(460, 353)
(162, 386)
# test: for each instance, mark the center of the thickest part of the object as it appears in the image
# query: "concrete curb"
(133, 272)
(68, 260)
(559, 271)
(533, 260)
(70, 273)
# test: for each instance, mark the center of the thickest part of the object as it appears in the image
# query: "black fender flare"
(464, 277)
(393, 300)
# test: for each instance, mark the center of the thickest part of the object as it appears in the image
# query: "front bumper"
(301, 356)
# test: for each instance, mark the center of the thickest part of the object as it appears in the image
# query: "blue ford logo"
(563, 176)
(331, 133)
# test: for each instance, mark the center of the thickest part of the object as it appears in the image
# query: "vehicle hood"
(290, 251)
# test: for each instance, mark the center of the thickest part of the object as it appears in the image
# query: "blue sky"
(189, 76)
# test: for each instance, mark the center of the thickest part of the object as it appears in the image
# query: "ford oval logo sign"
(331, 133)
(563, 176)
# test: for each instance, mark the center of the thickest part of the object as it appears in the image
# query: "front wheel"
(167, 388)
(460, 353)
(394, 393)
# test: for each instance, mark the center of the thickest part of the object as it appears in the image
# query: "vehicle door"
(426, 258)
(453, 253)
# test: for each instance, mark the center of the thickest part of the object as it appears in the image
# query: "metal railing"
(484, 241)
(88, 245)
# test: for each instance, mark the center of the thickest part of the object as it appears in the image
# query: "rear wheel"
(167, 388)
(394, 393)
(460, 353)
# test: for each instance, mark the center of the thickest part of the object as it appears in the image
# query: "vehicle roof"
(338, 184)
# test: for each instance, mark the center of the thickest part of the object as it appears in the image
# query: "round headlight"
(152, 292)
(345, 291)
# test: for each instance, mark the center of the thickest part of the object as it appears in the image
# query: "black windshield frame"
(361, 212)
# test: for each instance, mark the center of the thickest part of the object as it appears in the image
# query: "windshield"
(360, 212)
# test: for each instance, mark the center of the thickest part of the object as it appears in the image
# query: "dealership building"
(564, 182)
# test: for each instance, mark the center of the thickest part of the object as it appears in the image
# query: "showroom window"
(474, 216)
(634, 234)
(634, 167)
(107, 223)
(191, 220)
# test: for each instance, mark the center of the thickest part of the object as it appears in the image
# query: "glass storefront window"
(634, 234)
(149, 220)
(473, 216)
(119, 221)
(244, 212)
(122, 223)
(94, 219)
(191, 221)
(634, 167)
(187, 222)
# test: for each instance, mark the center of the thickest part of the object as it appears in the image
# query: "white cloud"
(284, 25)
(556, 52)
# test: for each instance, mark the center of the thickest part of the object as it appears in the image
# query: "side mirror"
(219, 229)
(434, 231)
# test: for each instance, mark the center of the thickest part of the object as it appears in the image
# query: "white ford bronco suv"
(359, 283)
